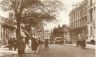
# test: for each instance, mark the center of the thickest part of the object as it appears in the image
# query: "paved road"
(63, 51)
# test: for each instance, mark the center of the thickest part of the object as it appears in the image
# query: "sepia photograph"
(47, 28)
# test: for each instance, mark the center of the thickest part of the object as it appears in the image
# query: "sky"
(63, 17)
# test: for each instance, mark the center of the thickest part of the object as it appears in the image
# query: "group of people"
(12, 43)
(21, 44)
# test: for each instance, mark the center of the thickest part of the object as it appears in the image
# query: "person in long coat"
(46, 43)
(10, 44)
(34, 44)
(21, 47)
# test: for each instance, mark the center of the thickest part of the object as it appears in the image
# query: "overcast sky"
(62, 19)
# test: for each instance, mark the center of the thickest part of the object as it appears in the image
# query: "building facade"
(83, 21)
(66, 33)
(91, 20)
(7, 30)
(78, 21)
(47, 34)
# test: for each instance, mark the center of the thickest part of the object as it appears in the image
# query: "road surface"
(56, 50)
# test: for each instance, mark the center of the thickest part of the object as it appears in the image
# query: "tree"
(18, 6)
(46, 11)
(36, 19)
(31, 6)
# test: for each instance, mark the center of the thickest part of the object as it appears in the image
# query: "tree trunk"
(18, 33)
(18, 19)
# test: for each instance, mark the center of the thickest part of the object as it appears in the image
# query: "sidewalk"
(87, 46)
(29, 50)
(91, 46)
(4, 52)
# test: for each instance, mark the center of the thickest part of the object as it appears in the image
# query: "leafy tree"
(19, 7)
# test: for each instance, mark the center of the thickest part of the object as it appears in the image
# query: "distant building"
(47, 34)
(41, 33)
(60, 32)
(66, 31)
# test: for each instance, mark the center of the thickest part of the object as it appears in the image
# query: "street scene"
(47, 28)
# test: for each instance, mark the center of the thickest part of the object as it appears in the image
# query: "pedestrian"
(10, 44)
(34, 44)
(39, 41)
(83, 43)
(46, 43)
(77, 42)
(21, 46)
(15, 44)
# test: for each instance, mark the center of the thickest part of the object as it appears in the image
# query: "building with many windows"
(78, 21)
(91, 20)
(83, 21)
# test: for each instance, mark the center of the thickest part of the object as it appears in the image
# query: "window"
(91, 31)
(90, 2)
(91, 15)
(80, 13)
(85, 10)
